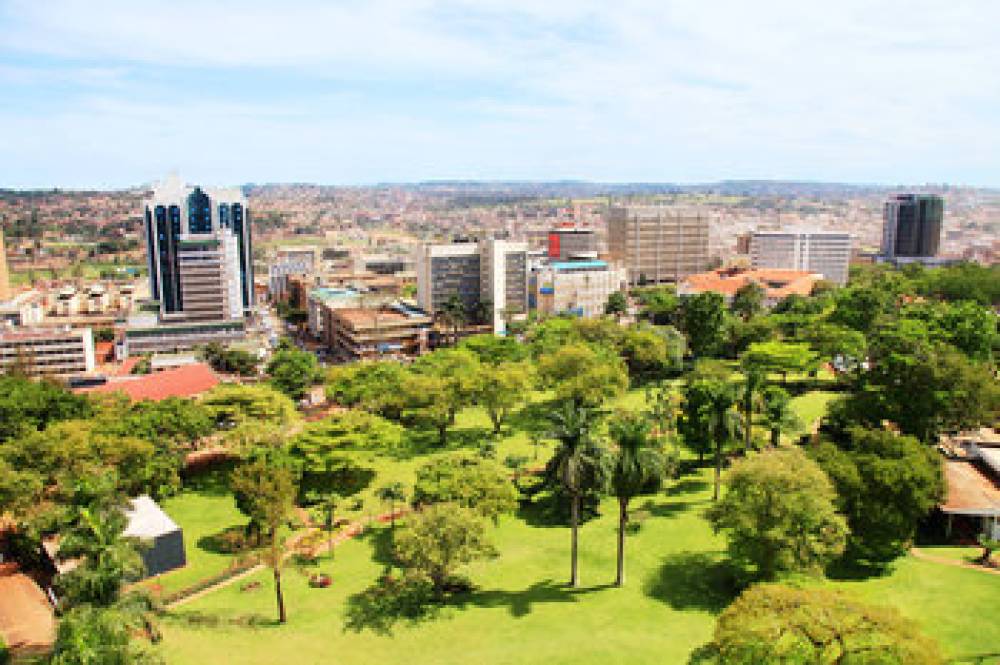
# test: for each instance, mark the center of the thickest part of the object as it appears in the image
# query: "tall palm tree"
(638, 464)
(577, 465)
(723, 424)
(452, 313)
(753, 381)
(392, 493)
(778, 414)
(109, 561)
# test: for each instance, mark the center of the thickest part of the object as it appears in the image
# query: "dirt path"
(347, 533)
(920, 554)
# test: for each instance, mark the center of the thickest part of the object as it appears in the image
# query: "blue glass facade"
(154, 278)
(224, 219)
(243, 240)
(168, 233)
(199, 212)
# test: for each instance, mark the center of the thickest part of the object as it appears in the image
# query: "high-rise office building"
(658, 243)
(200, 252)
(912, 226)
(493, 271)
(824, 252)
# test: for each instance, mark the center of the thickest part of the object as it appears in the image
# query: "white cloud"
(679, 90)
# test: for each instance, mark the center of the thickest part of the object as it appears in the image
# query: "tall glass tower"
(912, 226)
(199, 251)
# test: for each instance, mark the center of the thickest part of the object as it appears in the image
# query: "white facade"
(580, 288)
(825, 252)
(47, 352)
(494, 271)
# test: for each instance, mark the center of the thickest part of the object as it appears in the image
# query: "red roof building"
(186, 381)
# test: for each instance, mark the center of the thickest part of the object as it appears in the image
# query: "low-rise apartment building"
(389, 331)
(580, 288)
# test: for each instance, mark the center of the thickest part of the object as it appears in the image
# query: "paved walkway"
(920, 554)
(350, 531)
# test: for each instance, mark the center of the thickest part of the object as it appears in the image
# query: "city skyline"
(408, 92)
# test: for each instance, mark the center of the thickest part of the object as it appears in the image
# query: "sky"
(117, 93)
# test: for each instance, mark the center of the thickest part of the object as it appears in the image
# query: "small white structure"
(163, 538)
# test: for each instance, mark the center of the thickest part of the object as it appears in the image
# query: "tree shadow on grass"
(231, 540)
(391, 601)
(521, 603)
(211, 480)
(669, 509)
(379, 539)
(687, 486)
(693, 580)
(855, 570)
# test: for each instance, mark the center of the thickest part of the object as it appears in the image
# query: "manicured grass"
(810, 407)
(522, 611)
(201, 512)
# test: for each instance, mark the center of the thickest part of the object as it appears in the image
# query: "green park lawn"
(521, 610)
(203, 510)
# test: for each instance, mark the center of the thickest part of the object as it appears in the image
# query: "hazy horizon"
(101, 95)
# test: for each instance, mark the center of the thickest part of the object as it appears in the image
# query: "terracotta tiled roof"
(776, 283)
(972, 489)
(186, 381)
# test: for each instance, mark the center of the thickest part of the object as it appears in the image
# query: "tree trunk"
(495, 417)
(622, 523)
(443, 435)
(718, 471)
(574, 522)
(282, 617)
(329, 531)
(775, 437)
(748, 429)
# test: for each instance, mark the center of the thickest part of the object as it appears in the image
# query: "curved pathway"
(920, 554)
(348, 532)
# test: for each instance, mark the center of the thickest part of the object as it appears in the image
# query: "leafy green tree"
(231, 405)
(392, 493)
(437, 540)
(651, 354)
(90, 635)
(703, 318)
(748, 301)
(432, 402)
(771, 624)
(500, 389)
(583, 375)
(617, 304)
(859, 307)
(637, 466)
(778, 515)
(833, 342)
(885, 485)
(26, 404)
(783, 357)
(293, 371)
(578, 464)
(778, 414)
(376, 387)
(466, 480)
(268, 497)
(495, 350)
(922, 386)
(659, 305)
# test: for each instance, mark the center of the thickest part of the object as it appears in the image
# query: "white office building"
(488, 271)
(47, 351)
(825, 252)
